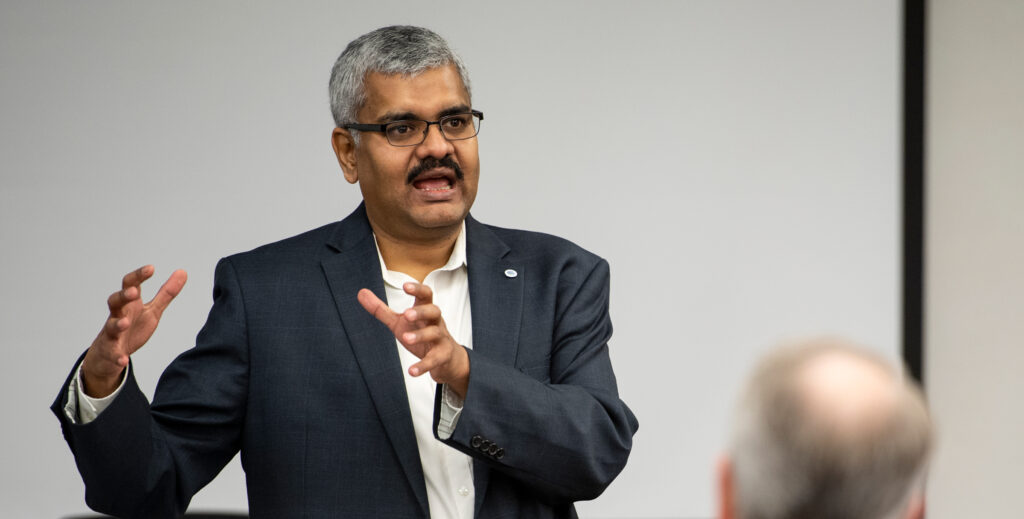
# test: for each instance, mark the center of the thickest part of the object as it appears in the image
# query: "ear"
(916, 508)
(726, 489)
(345, 149)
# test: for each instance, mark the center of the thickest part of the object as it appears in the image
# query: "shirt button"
(463, 491)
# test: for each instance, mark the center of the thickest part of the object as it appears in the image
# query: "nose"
(434, 145)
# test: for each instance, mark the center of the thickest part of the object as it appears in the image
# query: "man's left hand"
(422, 331)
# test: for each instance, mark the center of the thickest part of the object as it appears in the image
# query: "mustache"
(433, 163)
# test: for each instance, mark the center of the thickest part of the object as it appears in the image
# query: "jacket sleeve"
(558, 427)
(147, 461)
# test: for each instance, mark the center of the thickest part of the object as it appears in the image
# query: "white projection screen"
(736, 162)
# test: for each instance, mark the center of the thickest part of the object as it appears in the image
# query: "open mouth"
(435, 175)
(434, 181)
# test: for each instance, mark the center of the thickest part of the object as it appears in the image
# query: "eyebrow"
(388, 117)
(460, 109)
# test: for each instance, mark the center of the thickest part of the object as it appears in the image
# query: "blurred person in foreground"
(827, 430)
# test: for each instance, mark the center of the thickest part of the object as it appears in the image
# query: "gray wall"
(975, 256)
(736, 162)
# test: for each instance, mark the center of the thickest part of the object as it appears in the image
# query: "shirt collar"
(458, 257)
(456, 261)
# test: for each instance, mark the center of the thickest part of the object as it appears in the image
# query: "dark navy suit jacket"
(293, 372)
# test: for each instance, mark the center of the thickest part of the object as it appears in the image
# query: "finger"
(423, 336)
(430, 312)
(168, 291)
(137, 276)
(428, 363)
(377, 308)
(118, 299)
(423, 294)
(105, 347)
(114, 325)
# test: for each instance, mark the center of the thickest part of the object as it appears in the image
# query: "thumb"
(169, 290)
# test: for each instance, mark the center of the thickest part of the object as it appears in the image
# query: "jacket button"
(486, 444)
(492, 449)
(475, 441)
(500, 454)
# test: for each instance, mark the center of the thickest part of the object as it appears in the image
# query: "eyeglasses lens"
(412, 132)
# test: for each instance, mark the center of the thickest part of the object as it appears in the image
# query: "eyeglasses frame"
(382, 128)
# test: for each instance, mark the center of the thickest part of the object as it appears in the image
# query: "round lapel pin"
(509, 273)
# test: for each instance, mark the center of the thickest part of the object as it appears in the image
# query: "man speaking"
(407, 361)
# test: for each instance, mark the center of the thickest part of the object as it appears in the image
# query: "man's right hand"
(131, 323)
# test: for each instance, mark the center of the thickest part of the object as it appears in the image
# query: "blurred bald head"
(827, 429)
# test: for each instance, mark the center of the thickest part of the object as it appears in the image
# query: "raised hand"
(131, 323)
(422, 331)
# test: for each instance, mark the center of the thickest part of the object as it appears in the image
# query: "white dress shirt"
(448, 472)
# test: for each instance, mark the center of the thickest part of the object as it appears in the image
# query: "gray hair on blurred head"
(828, 429)
(396, 50)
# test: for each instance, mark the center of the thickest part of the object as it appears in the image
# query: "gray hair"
(796, 457)
(399, 49)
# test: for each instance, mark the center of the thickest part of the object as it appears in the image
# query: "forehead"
(424, 95)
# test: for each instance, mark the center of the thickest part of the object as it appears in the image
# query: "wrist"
(99, 383)
(460, 382)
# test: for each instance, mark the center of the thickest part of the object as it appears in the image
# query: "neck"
(416, 258)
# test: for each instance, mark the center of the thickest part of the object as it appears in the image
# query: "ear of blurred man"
(726, 489)
(915, 510)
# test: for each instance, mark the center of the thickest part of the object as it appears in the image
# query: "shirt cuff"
(451, 408)
(82, 408)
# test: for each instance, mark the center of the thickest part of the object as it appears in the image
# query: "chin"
(439, 219)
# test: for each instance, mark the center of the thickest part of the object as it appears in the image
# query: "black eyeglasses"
(411, 132)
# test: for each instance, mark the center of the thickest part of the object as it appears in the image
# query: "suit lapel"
(496, 299)
(356, 266)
